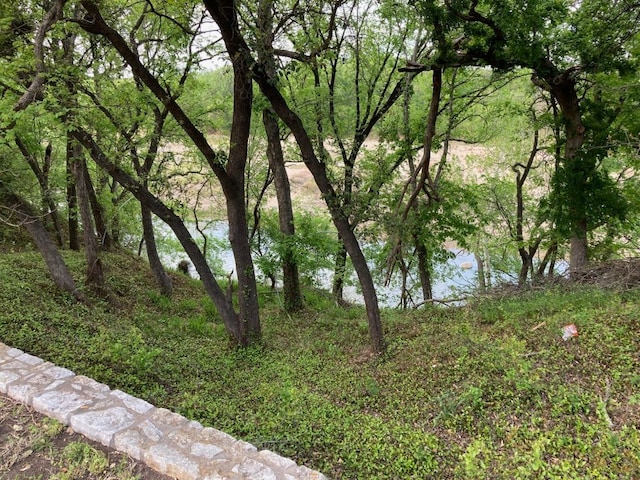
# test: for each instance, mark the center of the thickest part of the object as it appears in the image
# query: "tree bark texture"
(223, 13)
(563, 88)
(162, 278)
(72, 208)
(97, 211)
(25, 215)
(95, 275)
(290, 276)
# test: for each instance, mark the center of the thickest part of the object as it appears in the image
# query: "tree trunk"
(221, 301)
(339, 273)
(72, 208)
(95, 275)
(563, 87)
(424, 263)
(526, 256)
(247, 288)
(290, 276)
(548, 261)
(54, 261)
(42, 175)
(424, 269)
(482, 283)
(97, 212)
(340, 220)
(234, 188)
(162, 278)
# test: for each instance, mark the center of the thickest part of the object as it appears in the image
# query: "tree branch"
(35, 89)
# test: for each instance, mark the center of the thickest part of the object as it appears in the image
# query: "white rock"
(102, 425)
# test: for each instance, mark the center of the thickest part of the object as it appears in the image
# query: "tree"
(229, 169)
(353, 84)
(290, 275)
(16, 210)
(225, 15)
(540, 35)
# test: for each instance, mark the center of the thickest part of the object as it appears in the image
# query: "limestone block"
(60, 404)
(130, 442)
(166, 420)
(29, 359)
(53, 372)
(255, 470)
(185, 434)
(102, 425)
(205, 450)
(170, 461)
(14, 352)
(89, 386)
(7, 377)
(131, 402)
(150, 431)
(305, 473)
(24, 392)
(276, 460)
(245, 447)
(211, 435)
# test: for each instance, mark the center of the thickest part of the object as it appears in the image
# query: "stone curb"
(164, 440)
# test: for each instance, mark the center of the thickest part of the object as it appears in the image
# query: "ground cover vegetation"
(489, 390)
(358, 140)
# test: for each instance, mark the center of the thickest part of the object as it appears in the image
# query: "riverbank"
(483, 391)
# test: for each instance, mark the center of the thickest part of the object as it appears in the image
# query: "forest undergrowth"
(488, 390)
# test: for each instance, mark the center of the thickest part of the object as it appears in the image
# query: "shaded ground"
(487, 390)
(33, 446)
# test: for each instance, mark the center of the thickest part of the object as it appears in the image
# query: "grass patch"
(472, 392)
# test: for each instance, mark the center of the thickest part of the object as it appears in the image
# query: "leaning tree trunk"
(42, 175)
(30, 220)
(222, 302)
(95, 275)
(162, 278)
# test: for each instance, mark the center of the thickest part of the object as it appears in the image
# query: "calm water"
(451, 279)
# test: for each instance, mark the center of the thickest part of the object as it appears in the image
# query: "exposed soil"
(33, 446)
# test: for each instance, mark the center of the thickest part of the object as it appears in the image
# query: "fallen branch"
(604, 401)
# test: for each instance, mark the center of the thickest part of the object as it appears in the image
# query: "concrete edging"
(164, 440)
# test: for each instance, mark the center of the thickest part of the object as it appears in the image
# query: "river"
(453, 278)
